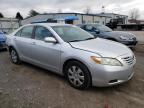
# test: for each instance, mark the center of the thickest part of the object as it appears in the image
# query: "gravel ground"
(27, 86)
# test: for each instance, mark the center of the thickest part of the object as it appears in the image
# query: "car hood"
(103, 47)
(118, 34)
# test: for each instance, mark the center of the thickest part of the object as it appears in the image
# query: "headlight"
(106, 61)
(124, 38)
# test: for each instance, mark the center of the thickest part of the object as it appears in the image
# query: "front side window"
(72, 33)
(102, 28)
(27, 32)
(42, 32)
(18, 33)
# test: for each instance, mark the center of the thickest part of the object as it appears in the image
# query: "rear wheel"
(14, 56)
(78, 75)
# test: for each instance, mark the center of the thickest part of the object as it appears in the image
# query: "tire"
(14, 56)
(77, 75)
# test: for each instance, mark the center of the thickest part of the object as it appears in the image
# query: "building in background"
(122, 19)
(68, 18)
(8, 24)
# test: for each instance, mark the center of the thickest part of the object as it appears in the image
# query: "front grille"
(129, 60)
(132, 43)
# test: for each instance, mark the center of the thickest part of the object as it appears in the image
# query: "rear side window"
(42, 32)
(27, 32)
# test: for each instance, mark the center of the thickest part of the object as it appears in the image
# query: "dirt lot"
(27, 86)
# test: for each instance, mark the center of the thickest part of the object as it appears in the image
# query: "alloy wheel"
(76, 75)
(14, 56)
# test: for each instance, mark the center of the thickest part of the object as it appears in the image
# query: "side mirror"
(50, 40)
(97, 31)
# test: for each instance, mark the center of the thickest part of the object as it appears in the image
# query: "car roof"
(48, 24)
(88, 24)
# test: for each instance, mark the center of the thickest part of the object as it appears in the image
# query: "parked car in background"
(105, 32)
(70, 51)
(2, 40)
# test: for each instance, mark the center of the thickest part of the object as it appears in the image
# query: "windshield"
(103, 28)
(72, 33)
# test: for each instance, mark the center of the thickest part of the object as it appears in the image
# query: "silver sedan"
(70, 51)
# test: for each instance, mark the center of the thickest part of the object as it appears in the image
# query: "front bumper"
(104, 75)
(112, 77)
(130, 43)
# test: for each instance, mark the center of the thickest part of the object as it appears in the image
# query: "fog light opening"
(113, 81)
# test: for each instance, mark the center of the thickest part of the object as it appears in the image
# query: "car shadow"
(43, 71)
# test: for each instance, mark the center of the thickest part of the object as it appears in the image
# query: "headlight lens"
(106, 61)
(124, 38)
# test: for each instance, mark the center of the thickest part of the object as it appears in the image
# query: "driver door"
(45, 54)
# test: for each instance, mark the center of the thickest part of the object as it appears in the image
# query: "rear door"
(44, 53)
(23, 41)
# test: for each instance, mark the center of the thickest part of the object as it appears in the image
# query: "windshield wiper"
(83, 40)
(75, 40)
(90, 38)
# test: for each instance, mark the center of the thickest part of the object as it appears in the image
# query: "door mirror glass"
(50, 40)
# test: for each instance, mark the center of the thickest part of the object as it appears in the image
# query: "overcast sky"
(10, 7)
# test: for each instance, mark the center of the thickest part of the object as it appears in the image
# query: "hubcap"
(76, 75)
(14, 56)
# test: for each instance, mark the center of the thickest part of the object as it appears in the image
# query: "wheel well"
(67, 61)
(70, 60)
(10, 48)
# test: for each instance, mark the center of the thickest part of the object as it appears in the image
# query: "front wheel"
(14, 56)
(78, 75)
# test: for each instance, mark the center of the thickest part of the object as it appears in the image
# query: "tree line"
(133, 13)
(20, 17)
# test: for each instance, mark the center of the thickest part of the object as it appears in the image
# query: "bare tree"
(19, 17)
(134, 14)
(87, 10)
